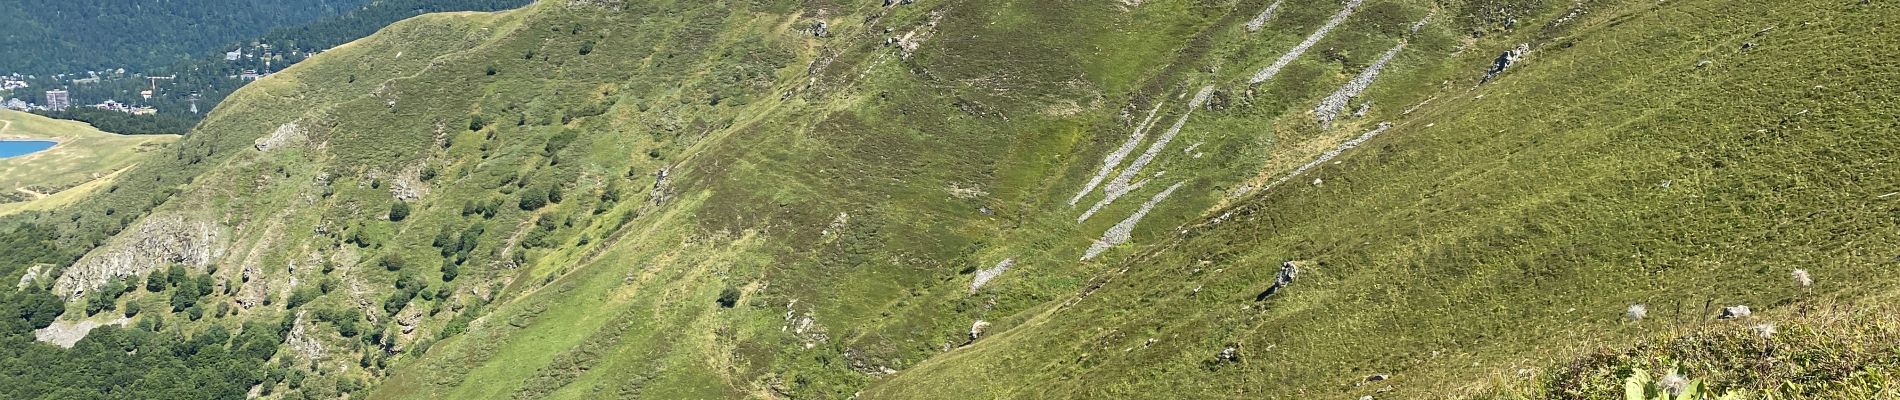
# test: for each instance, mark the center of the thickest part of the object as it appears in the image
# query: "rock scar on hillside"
(158, 241)
(1328, 156)
(1122, 185)
(67, 333)
(1335, 104)
(1115, 158)
(1266, 15)
(1121, 232)
(983, 277)
(1294, 54)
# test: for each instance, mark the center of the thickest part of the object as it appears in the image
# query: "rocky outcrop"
(1287, 272)
(662, 186)
(408, 185)
(978, 329)
(285, 135)
(1505, 61)
(157, 241)
(300, 342)
(33, 274)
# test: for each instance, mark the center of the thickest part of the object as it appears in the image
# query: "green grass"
(1497, 228)
(84, 159)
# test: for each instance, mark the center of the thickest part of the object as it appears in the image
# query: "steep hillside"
(994, 198)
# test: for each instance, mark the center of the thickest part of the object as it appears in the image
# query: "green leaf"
(1634, 386)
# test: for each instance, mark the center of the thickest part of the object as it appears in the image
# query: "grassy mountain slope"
(1507, 227)
(84, 158)
(676, 199)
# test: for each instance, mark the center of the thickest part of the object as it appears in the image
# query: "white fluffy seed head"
(1766, 331)
(1801, 278)
(1673, 384)
(1637, 312)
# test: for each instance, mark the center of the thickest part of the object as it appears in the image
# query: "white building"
(58, 100)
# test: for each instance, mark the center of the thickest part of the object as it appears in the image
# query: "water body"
(16, 148)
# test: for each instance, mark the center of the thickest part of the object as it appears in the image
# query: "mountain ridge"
(822, 199)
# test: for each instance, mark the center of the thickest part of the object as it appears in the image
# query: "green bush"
(157, 282)
(533, 199)
(302, 296)
(398, 211)
(394, 262)
(450, 270)
(729, 297)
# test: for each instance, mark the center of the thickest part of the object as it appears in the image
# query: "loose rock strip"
(1330, 108)
(1328, 156)
(1121, 184)
(1121, 232)
(1110, 197)
(1115, 159)
(1271, 70)
(1267, 15)
(983, 277)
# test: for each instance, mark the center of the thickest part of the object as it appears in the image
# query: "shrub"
(157, 282)
(729, 297)
(394, 262)
(398, 211)
(450, 270)
(533, 199)
(301, 297)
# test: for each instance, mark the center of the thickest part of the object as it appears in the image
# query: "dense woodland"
(151, 357)
(54, 37)
(208, 74)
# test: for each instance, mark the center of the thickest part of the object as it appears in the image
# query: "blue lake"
(16, 148)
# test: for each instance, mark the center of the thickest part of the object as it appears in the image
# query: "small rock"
(1377, 377)
(1287, 272)
(1735, 312)
(1230, 354)
(1505, 61)
(977, 329)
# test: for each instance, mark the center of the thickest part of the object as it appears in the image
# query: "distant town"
(137, 93)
